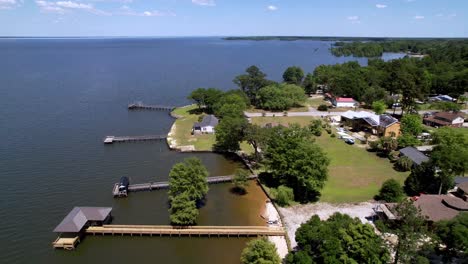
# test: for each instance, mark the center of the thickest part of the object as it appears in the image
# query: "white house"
(445, 119)
(344, 102)
(206, 126)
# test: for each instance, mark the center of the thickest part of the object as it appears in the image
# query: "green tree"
(411, 229)
(240, 180)
(309, 84)
(408, 140)
(391, 191)
(183, 210)
(315, 127)
(449, 156)
(284, 195)
(280, 96)
(404, 164)
(388, 144)
(229, 132)
(373, 94)
(260, 251)
(340, 239)
(446, 106)
(293, 75)
(255, 136)
(190, 177)
(411, 125)
(379, 107)
(454, 234)
(230, 104)
(297, 162)
(251, 82)
(422, 179)
(205, 98)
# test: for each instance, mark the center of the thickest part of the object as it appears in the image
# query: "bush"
(393, 156)
(374, 145)
(333, 135)
(391, 191)
(260, 251)
(404, 164)
(322, 107)
(284, 195)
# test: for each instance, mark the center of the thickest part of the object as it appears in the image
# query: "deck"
(165, 184)
(210, 231)
(142, 106)
(66, 243)
(114, 139)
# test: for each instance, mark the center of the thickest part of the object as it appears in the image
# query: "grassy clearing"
(315, 102)
(283, 120)
(183, 132)
(355, 175)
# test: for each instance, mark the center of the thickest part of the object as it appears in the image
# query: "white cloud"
(127, 11)
(62, 7)
(9, 4)
(452, 15)
(354, 19)
(73, 5)
(418, 17)
(272, 8)
(204, 2)
(380, 6)
(440, 15)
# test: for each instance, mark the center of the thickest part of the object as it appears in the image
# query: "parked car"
(349, 141)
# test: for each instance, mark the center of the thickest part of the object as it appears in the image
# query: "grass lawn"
(183, 133)
(315, 102)
(283, 120)
(355, 175)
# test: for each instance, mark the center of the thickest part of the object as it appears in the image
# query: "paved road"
(314, 112)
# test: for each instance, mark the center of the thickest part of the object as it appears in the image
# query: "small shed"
(206, 126)
(344, 102)
(414, 155)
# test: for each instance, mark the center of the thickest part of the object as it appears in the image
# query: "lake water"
(60, 97)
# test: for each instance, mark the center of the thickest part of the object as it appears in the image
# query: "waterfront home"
(452, 119)
(416, 156)
(382, 125)
(344, 102)
(75, 223)
(206, 126)
(434, 207)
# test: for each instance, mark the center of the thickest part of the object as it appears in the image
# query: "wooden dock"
(209, 231)
(165, 184)
(114, 139)
(68, 243)
(142, 106)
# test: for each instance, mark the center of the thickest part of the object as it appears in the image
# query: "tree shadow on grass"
(238, 191)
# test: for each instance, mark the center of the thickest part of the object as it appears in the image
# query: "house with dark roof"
(382, 125)
(434, 207)
(81, 217)
(416, 156)
(206, 126)
(452, 119)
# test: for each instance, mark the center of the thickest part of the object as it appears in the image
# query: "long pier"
(165, 184)
(210, 231)
(114, 139)
(141, 106)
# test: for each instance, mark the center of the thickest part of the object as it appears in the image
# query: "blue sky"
(378, 18)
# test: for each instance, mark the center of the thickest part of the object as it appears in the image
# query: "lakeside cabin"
(206, 126)
(73, 226)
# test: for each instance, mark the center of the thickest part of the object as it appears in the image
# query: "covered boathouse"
(75, 223)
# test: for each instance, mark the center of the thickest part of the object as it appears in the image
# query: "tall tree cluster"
(187, 186)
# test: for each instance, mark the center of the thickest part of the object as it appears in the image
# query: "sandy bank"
(280, 242)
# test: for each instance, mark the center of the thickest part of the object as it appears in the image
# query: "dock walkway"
(165, 184)
(142, 106)
(114, 139)
(210, 231)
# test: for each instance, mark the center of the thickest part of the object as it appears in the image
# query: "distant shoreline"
(332, 38)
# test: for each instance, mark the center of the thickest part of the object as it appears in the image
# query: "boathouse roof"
(79, 216)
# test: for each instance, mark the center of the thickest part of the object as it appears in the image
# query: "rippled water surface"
(60, 97)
